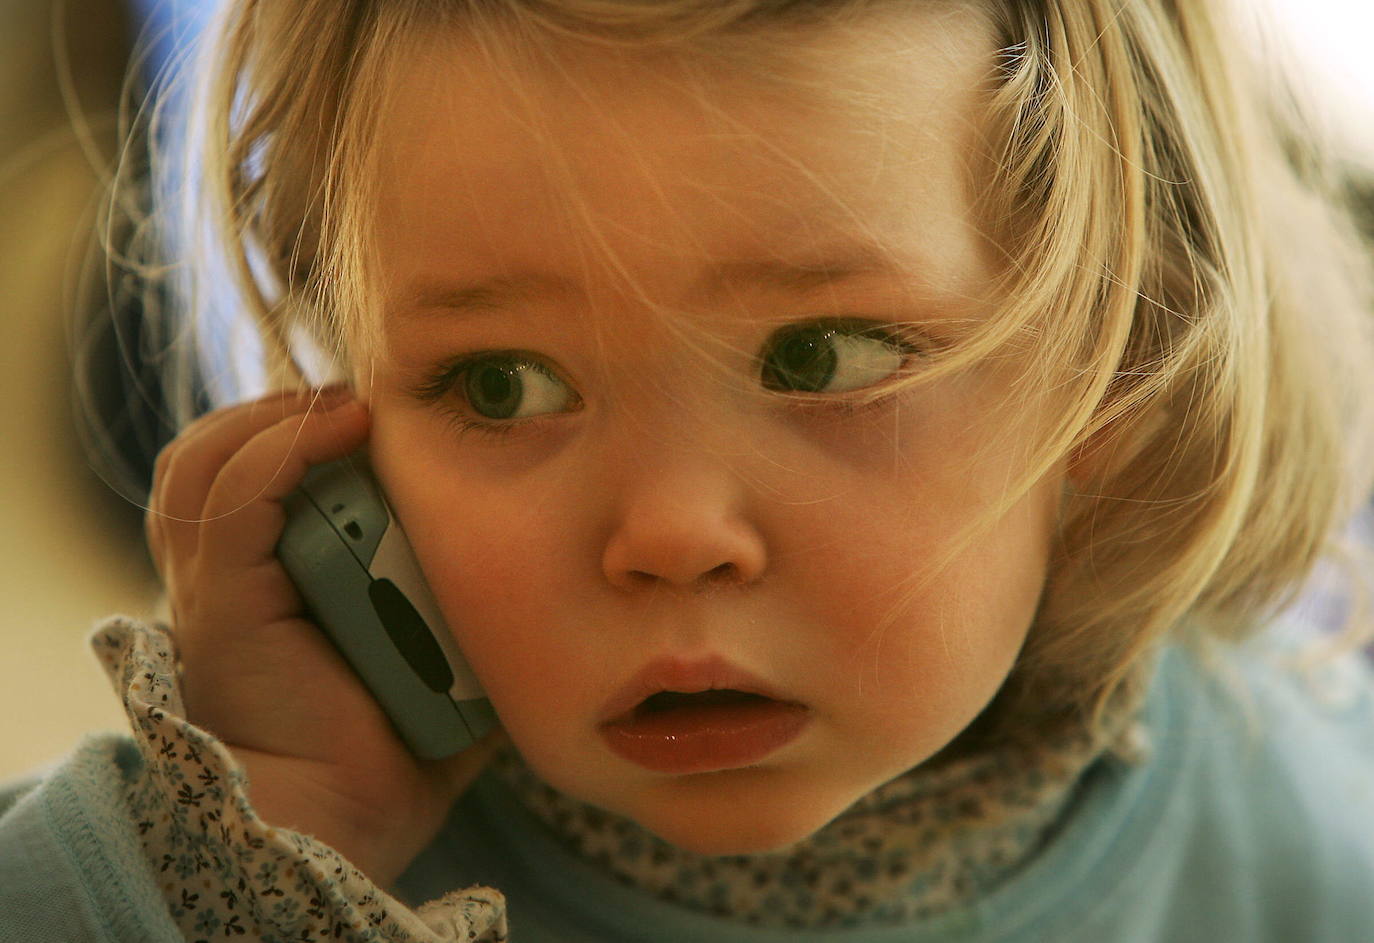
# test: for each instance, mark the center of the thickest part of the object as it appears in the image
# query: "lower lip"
(707, 738)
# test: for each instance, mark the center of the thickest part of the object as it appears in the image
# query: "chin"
(727, 842)
(730, 814)
(749, 811)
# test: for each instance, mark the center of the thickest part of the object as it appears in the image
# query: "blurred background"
(72, 551)
(72, 548)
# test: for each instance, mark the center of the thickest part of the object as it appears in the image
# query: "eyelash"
(461, 424)
(441, 383)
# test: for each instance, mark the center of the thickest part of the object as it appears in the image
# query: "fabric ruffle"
(223, 871)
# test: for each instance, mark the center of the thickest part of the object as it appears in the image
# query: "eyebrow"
(786, 275)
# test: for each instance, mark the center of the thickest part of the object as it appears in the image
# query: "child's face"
(671, 503)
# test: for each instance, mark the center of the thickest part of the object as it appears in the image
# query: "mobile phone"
(344, 549)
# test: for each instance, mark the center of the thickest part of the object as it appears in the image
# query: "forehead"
(582, 161)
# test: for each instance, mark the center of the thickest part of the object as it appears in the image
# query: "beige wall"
(67, 554)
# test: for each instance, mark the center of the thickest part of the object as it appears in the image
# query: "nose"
(683, 522)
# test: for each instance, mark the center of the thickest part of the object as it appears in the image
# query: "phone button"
(410, 634)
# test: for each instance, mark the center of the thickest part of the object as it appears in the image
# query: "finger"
(242, 516)
(204, 445)
(187, 467)
(176, 496)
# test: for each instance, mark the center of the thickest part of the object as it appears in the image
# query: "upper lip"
(684, 676)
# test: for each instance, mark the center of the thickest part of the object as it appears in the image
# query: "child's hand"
(320, 754)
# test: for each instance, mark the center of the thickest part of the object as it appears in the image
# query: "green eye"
(510, 388)
(832, 357)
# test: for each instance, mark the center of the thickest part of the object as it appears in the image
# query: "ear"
(363, 377)
(1099, 452)
(1116, 444)
(1089, 461)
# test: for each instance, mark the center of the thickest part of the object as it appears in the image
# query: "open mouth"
(716, 729)
(666, 701)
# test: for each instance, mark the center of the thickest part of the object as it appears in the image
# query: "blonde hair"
(1196, 299)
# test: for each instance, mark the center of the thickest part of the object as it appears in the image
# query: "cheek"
(497, 556)
(511, 598)
(508, 585)
(920, 629)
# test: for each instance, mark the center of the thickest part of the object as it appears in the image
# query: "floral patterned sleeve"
(223, 871)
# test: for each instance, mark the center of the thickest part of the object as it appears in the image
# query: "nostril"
(683, 550)
(724, 573)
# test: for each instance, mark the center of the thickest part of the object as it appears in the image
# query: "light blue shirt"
(1247, 824)
(1239, 828)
